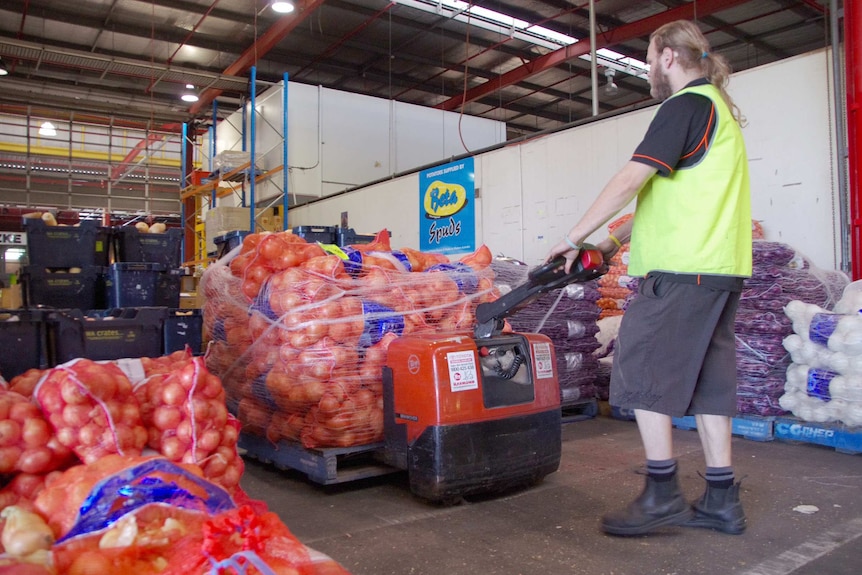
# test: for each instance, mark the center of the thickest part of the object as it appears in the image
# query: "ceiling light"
(281, 7)
(190, 95)
(47, 129)
(3, 69)
(611, 87)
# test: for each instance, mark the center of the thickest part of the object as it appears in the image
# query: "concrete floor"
(376, 527)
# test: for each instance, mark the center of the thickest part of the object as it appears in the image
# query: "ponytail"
(693, 51)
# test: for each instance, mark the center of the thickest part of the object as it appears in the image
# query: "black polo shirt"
(679, 132)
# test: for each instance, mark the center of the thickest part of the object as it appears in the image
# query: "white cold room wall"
(339, 140)
(533, 192)
(789, 139)
(372, 214)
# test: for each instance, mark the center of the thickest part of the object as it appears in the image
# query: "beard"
(660, 88)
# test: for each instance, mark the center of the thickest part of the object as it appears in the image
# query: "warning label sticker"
(543, 361)
(462, 370)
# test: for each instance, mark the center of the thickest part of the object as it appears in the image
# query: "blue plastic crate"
(183, 327)
(168, 287)
(227, 242)
(312, 234)
(133, 284)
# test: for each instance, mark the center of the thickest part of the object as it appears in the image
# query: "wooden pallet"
(579, 410)
(840, 437)
(327, 465)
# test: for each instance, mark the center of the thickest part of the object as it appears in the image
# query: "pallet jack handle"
(588, 265)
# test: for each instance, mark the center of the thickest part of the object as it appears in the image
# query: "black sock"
(719, 477)
(663, 470)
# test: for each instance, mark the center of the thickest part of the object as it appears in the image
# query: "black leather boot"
(719, 509)
(661, 503)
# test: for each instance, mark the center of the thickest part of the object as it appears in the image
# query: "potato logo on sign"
(443, 200)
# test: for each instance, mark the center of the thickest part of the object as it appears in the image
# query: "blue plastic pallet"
(622, 413)
(580, 410)
(749, 427)
(326, 465)
(840, 437)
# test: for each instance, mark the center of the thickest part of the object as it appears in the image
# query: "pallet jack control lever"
(490, 316)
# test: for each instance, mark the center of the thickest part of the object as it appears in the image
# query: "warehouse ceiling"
(113, 59)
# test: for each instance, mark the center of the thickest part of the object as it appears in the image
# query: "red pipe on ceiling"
(637, 29)
(853, 73)
(282, 27)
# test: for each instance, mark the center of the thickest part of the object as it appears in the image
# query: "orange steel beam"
(264, 44)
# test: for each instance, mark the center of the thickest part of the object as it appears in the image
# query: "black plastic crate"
(62, 289)
(312, 234)
(111, 334)
(348, 237)
(228, 241)
(183, 327)
(22, 339)
(133, 284)
(65, 246)
(168, 287)
(133, 246)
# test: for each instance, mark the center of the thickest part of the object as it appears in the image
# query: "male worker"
(691, 243)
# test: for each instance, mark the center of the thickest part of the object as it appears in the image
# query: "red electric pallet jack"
(472, 415)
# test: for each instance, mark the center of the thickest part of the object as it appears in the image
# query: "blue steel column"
(251, 203)
(213, 149)
(284, 171)
(184, 179)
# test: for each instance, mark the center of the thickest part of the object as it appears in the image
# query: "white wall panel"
(788, 138)
(501, 201)
(371, 214)
(355, 135)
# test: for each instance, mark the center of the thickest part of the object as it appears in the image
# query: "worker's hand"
(608, 249)
(563, 249)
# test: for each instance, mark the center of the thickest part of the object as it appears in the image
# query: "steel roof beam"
(618, 35)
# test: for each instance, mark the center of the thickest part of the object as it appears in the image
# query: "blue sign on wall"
(447, 208)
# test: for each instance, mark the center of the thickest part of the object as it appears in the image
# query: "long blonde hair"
(693, 51)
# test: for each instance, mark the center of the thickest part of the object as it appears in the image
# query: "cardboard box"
(11, 297)
(189, 301)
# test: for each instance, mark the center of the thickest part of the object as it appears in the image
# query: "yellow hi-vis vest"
(697, 220)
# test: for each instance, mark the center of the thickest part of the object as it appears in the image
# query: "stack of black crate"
(147, 273)
(67, 265)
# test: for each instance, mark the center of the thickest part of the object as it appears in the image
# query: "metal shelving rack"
(194, 194)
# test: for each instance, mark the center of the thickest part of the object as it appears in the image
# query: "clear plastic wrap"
(299, 332)
(824, 380)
